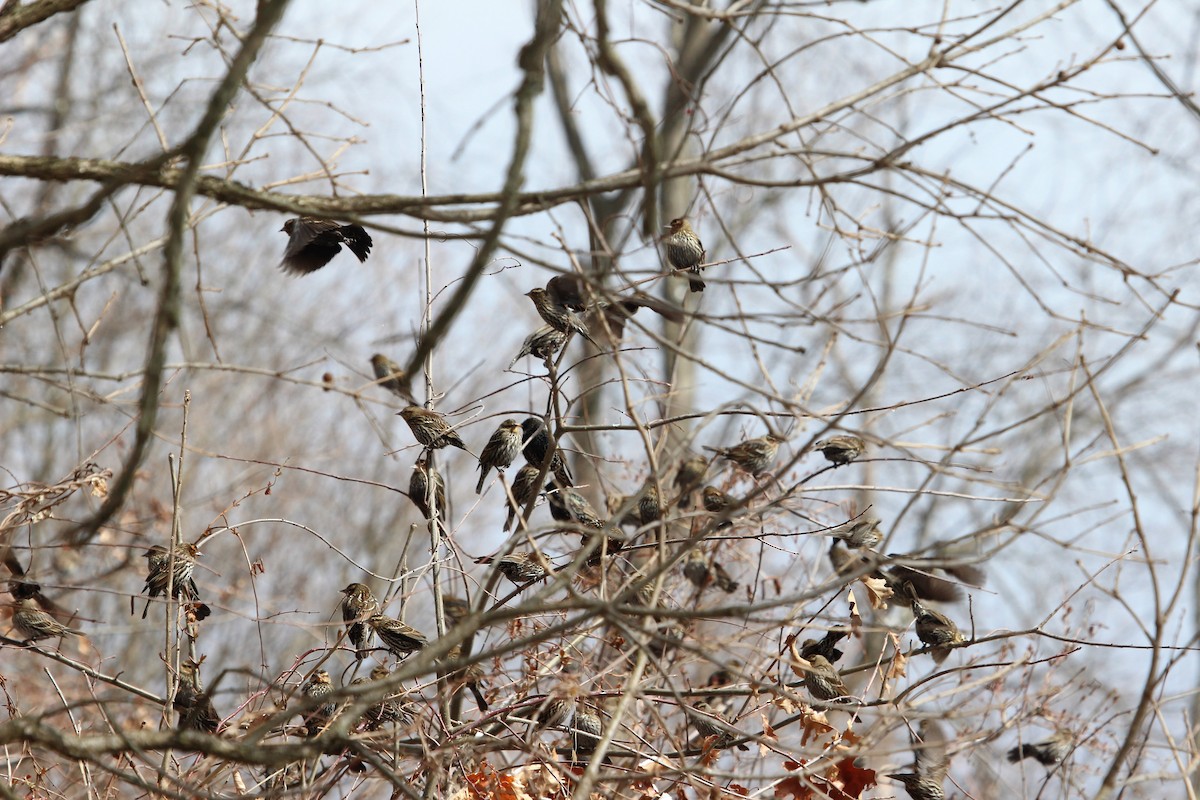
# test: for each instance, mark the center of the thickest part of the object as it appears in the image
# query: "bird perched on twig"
(395, 707)
(426, 484)
(685, 251)
(826, 646)
(33, 624)
(313, 241)
(558, 316)
(390, 376)
(822, 678)
(542, 343)
(688, 478)
(858, 533)
(930, 764)
(317, 687)
(934, 628)
(399, 638)
(718, 502)
(536, 444)
(574, 293)
(196, 711)
(568, 505)
(650, 506)
(755, 456)
(520, 567)
(841, 449)
(431, 429)
(712, 724)
(525, 487)
(174, 566)
(358, 605)
(1047, 752)
(501, 450)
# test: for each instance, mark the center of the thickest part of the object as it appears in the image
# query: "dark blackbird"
(825, 646)
(536, 444)
(1047, 752)
(312, 242)
(524, 488)
(685, 251)
(841, 449)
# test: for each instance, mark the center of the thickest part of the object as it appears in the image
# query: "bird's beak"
(283, 229)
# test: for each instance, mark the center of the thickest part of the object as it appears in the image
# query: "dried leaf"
(897, 667)
(737, 788)
(853, 780)
(814, 723)
(794, 788)
(855, 617)
(786, 704)
(878, 592)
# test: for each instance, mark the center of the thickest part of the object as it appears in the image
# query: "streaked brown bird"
(455, 609)
(858, 533)
(1047, 752)
(712, 724)
(753, 455)
(696, 568)
(718, 502)
(317, 687)
(586, 730)
(399, 638)
(195, 708)
(525, 487)
(520, 567)
(543, 343)
(935, 629)
(568, 505)
(688, 478)
(358, 605)
(685, 251)
(930, 764)
(500, 451)
(173, 566)
(650, 507)
(469, 675)
(394, 708)
(723, 579)
(841, 449)
(822, 679)
(391, 377)
(312, 242)
(431, 429)
(425, 483)
(33, 624)
(559, 317)
(535, 443)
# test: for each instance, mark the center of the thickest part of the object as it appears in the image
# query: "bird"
(543, 343)
(822, 678)
(535, 444)
(559, 317)
(935, 630)
(826, 646)
(685, 251)
(469, 675)
(317, 687)
(426, 483)
(712, 724)
(525, 487)
(718, 502)
(930, 764)
(688, 478)
(573, 292)
(501, 450)
(858, 533)
(839, 450)
(586, 730)
(399, 638)
(520, 567)
(174, 567)
(1047, 752)
(394, 707)
(631, 518)
(723, 579)
(358, 605)
(568, 505)
(313, 241)
(697, 569)
(390, 376)
(196, 711)
(753, 455)
(33, 624)
(650, 507)
(431, 429)
(455, 609)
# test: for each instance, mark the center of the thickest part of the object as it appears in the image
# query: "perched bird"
(839, 450)
(196, 711)
(650, 507)
(431, 429)
(930, 764)
(718, 502)
(174, 566)
(826, 646)
(470, 675)
(394, 708)
(520, 567)
(685, 251)
(753, 455)
(568, 505)
(399, 638)
(822, 679)
(358, 605)
(556, 710)
(501, 450)
(391, 377)
(688, 478)
(586, 730)
(424, 484)
(935, 629)
(455, 609)
(573, 292)
(1047, 752)
(312, 242)
(858, 533)
(317, 687)
(525, 487)
(697, 569)
(712, 724)
(542, 343)
(33, 624)
(557, 316)
(535, 443)
(723, 579)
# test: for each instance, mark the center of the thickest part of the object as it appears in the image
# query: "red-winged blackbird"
(846, 562)
(839, 450)
(520, 567)
(568, 505)
(501, 450)
(936, 630)
(542, 343)
(825, 646)
(688, 478)
(650, 507)
(318, 686)
(930, 764)
(712, 724)
(196, 711)
(753, 455)
(570, 290)
(859, 533)
(469, 676)
(696, 568)
(431, 429)
(524, 488)
(391, 377)
(723, 579)
(586, 729)
(925, 574)
(399, 638)
(535, 443)
(685, 251)
(393, 708)
(312, 242)
(1047, 752)
(358, 605)
(33, 624)
(424, 483)
(559, 317)
(717, 502)
(173, 566)
(455, 609)
(822, 679)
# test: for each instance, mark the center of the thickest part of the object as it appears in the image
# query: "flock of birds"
(568, 308)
